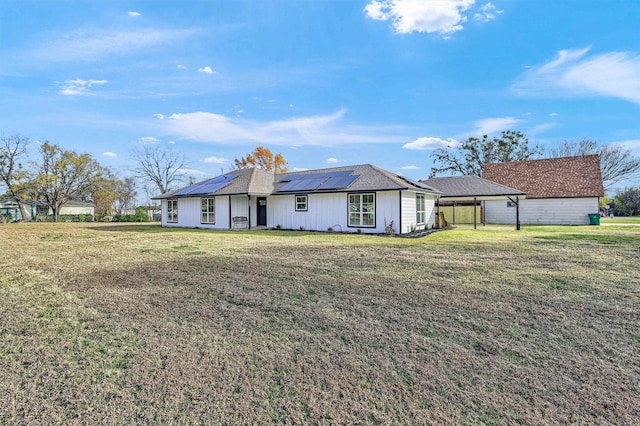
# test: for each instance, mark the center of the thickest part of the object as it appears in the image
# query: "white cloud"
(632, 145)
(487, 13)
(148, 140)
(300, 169)
(553, 114)
(191, 172)
(574, 73)
(442, 17)
(411, 167)
(540, 128)
(206, 70)
(488, 126)
(323, 130)
(181, 67)
(425, 143)
(91, 44)
(109, 154)
(159, 116)
(133, 14)
(80, 87)
(332, 160)
(215, 160)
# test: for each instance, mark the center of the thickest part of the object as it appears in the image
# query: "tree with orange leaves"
(264, 159)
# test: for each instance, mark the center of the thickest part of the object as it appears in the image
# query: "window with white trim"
(208, 209)
(362, 210)
(172, 211)
(302, 203)
(420, 210)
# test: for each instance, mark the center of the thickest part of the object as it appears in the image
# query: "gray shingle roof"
(260, 182)
(470, 186)
(563, 177)
(249, 181)
(371, 178)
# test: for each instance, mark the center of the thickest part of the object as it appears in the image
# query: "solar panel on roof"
(302, 185)
(338, 182)
(325, 175)
(209, 186)
(318, 181)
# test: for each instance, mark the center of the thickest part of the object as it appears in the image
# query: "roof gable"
(565, 177)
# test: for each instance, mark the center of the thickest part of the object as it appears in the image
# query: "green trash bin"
(594, 218)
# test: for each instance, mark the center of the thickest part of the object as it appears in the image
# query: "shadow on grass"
(597, 238)
(129, 227)
(155, 228)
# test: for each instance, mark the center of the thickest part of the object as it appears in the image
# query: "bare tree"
(126, 195)
(105, 193)
(161, 166)
(13, 151)
(616, 163)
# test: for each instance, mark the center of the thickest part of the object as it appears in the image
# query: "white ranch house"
(362, 198)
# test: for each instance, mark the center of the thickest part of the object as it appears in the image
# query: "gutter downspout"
(249, 217)
(400, 218)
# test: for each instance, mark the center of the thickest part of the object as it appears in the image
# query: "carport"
(458, 190)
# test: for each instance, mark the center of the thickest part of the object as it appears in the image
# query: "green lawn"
(635, 220)
(136, 324)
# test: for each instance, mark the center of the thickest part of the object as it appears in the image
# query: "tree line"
(58, 176)
(469, 157)
(617, 163)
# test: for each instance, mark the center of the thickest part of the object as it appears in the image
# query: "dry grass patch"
(138, 324)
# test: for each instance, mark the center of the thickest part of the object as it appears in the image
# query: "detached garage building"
(560, 191)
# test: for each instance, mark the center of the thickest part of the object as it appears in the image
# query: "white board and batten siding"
(409, 218)
(543, 211)
(189, 212)
(330, 211)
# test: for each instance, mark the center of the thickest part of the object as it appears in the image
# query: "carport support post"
(475, 219)
(517, 203)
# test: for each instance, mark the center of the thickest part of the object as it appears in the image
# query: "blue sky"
(324, 82)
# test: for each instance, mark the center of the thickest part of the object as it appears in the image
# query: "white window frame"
(208, 210)
(421, 215)
(172, 211)
(302, 203)
(362, 213)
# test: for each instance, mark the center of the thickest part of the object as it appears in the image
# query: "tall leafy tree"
(616, 162)
(470, 156)
(627, 203)
(161, 166)
(64, 175)
(264, 159)
(13, 173)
